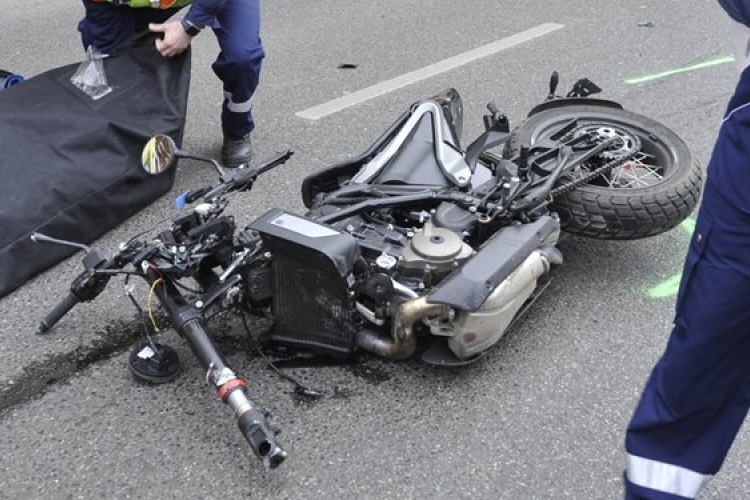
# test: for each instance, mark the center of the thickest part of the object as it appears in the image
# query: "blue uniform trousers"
(238, 65)
(699, 391)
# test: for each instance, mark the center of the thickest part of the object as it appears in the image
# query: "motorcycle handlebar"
(58, 312)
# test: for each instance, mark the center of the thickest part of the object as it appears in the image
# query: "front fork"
(230, 388)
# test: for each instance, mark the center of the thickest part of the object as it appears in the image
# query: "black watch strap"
(191, 28)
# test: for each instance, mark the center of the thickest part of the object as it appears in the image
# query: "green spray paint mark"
(699, 65)
(667, 288)
(670, 286)
(689, 226)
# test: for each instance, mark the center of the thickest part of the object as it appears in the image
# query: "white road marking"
(336, 105)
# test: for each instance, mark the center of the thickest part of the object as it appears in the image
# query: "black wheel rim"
(648, 160)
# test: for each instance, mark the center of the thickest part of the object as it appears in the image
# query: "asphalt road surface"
(541, 416)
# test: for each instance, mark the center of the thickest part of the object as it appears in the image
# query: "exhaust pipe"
(403, 342)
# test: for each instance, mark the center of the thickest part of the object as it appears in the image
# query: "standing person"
(236, 24)
(698, 394)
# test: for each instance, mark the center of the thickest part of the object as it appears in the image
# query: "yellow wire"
(148, 304)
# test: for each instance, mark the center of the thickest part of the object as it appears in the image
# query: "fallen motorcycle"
(416, 248)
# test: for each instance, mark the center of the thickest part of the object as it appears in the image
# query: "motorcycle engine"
(426, 258)
(436, 250)
(418, 257)
(334, 286)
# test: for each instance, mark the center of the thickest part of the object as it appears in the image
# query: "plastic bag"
(90, 76)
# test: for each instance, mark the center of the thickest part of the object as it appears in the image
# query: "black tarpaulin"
(70, 165)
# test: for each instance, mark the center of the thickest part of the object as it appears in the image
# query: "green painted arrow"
(670, 286)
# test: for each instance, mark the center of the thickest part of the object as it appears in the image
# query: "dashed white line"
(360, 96)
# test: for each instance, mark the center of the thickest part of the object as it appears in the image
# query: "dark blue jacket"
(203, 12)
(739, 10)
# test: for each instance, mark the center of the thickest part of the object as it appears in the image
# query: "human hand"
(175, 39)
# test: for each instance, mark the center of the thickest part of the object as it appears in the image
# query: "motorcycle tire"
(642, 198)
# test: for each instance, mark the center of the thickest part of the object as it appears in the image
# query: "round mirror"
(159, 154)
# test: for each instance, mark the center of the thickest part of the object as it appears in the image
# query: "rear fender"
(572, 101)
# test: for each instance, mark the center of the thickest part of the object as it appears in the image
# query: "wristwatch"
(190, 27)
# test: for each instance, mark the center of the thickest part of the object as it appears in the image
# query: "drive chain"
(588, 177)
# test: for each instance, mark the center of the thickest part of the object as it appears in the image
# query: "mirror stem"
(182, 154)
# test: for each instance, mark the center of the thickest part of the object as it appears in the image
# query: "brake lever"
(237, 179)
(278, 159)
(43, 238)
(242, 178)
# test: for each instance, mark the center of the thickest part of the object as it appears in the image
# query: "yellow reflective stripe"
(664, 477)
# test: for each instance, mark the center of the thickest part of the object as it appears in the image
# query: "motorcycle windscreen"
(70, 165)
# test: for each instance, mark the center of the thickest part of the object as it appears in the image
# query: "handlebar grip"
(58, 312)
(261, 438)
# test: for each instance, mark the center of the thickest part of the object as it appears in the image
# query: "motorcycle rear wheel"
(650, 194)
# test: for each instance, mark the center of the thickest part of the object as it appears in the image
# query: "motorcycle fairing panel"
(422, 147)
(71, 165)
(426, 140)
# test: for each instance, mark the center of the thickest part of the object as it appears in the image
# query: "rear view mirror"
(159, 154)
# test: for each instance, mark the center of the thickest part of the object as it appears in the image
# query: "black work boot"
(236, 151)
